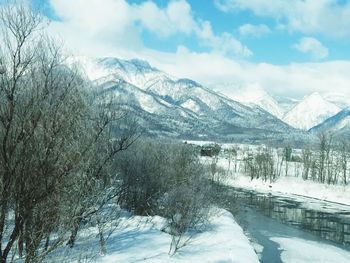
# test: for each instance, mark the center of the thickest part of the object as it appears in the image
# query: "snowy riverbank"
(296, 250)
(142, 239)
(294, 186)
(223, 242)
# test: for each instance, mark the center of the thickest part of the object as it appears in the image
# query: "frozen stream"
(292, 228)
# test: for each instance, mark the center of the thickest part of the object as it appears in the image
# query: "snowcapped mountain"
(339, 99)
(310, 111)
(169, 106)
(135, 71)
(254, 95)
(338, 124)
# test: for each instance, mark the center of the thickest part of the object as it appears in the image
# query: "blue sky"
(286, 47)
(276, 45)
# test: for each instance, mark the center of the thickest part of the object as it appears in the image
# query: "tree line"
(326, 163)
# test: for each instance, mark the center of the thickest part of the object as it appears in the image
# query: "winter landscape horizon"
(174, 131)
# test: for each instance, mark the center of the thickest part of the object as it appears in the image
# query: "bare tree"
(57, 143)
(279, 162)
(344, 155)
(287, 156)
(231, 154)
(261, 165)
(323, 156)
(307, 162)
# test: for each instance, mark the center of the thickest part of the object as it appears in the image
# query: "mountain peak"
(314, 96)
(127, 65)
(256, 96)
(177, 106)
(310, 111)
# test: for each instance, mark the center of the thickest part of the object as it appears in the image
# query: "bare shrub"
(261, 165)
(166, 179)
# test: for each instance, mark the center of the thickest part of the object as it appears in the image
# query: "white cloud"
(223, 44)
(313, 47)
(175, 18)
(254, 30)
(328, 17)
(90, 26)
(109, 18)
(87, 27)
(114, 29)
(294, 80)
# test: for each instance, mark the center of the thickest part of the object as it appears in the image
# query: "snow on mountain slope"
(136, 72)
(210, 103)
(339, 99)
(179, 91)
(140, 74)
(169, 106)
(311, 111)
(255, 95)
(154, 116)
(175, 91)
(191, 105)
(338, 124)
(128, 94)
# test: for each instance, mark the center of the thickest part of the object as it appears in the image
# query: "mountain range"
(337, 125)
(310, 111)
(164, 105)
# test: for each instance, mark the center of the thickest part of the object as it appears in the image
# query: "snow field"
(143, 240)
(295, 250)
(292, 184)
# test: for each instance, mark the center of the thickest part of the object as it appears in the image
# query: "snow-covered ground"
(273, 239)
(294, 186)
(287, 244)
(223, 242)
(295, 250)
(141, 239)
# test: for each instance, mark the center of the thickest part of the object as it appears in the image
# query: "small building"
(210, 150)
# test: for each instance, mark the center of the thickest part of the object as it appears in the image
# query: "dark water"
(265, 215)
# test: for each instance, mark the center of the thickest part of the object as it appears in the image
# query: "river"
(308, 224)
